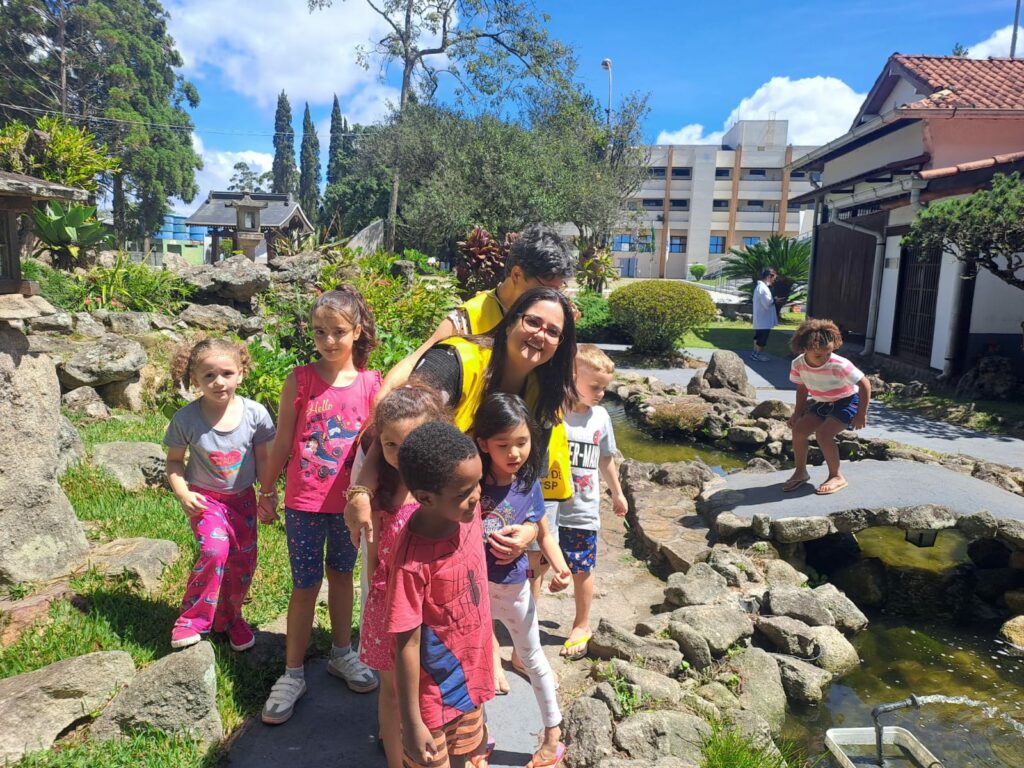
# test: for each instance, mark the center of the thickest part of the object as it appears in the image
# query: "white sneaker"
(280, 704)
(359, 677)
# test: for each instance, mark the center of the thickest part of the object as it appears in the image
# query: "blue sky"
(705, 64)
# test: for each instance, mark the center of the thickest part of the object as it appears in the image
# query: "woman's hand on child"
(194, 504)
(560, 580)
(619, 506)
(266, 510)
(359, 518)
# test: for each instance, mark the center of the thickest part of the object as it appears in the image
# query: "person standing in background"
(766, 316)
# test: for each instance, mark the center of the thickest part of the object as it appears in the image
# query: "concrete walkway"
(771, 380)
(873, 485)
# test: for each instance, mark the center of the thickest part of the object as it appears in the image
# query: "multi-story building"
(700, 200)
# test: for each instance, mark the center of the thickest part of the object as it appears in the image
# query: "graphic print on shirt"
(497, 514)
(585, 457)
(226, 463)
(326, 446)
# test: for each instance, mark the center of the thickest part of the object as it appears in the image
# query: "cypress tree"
(284, 170)
(336, 152)
(309, 168)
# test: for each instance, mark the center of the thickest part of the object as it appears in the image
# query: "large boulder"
(36, 707)
(176, 694)
(85, 401)
(802, 604)
(112, 358)
(804, 683)
(721, 626)
(135, 466)
(758, 684)
(653, 686)
(701, 585)
(239, 279)
(649, 735)
(70, 447)
(848, 617)
(130, 323)
(139, 558)
(993, 378)
(614, 642)
(836, 653)
(789, 636)
(40, 537)
(213, 317)
(726, 370)
(587, 730)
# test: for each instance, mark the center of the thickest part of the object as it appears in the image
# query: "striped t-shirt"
(835, 379)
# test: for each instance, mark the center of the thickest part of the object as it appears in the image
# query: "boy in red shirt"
(438, 606)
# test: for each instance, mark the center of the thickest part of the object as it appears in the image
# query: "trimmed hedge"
(656, 313)
(595, 324)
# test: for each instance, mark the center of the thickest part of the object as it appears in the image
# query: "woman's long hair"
(555, 377)
(501, 412)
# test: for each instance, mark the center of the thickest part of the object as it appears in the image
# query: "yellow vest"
(483, 311)
(557, 484)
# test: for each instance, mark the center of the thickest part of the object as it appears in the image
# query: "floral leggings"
(222, 575)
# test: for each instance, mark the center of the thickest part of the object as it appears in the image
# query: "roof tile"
(961, 83)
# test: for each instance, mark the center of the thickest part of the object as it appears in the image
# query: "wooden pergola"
(248, 218)
(18, 194)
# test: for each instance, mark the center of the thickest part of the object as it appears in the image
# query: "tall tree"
(247, 179)
(338, 152)
(488, 46)
(309, 168)
(284, 170)
(112, 65)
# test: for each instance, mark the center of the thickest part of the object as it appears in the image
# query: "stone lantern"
(247, 226)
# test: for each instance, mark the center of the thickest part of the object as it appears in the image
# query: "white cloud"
(818, 109)
(997, 44)
(218, 168)
(260, 47)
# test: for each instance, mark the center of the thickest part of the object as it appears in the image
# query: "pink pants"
(220, 580)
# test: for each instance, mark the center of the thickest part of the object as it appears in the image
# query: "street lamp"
(607, 65)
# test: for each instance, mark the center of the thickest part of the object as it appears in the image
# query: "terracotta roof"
(974, 165)
(962, 83)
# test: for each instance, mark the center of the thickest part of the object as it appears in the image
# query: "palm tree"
(789, 257)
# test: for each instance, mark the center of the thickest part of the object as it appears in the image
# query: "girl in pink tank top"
(396, 415)
(324, 407)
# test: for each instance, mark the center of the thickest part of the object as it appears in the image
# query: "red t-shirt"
(440, 585)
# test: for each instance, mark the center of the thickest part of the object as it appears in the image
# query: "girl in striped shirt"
(832, 394)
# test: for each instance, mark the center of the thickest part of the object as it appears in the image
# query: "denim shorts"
(842, 411)
(308, 532)
(579, 546)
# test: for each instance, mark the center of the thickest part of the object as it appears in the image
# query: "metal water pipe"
(882, 709)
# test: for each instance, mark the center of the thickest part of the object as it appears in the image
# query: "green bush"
(656, 313)
(698, 271)
(62, 289)
(596, 324)
(727, 747)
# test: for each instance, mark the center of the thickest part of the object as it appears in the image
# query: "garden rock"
(113, 358)
(175, 694)
(130, 323)
(239, 279)
(370, 238)
(38, 706)
(848, 617)
(837, 655)
(652, 685)
(789, 636)
(804, 683)
(587, 729)
(802, 604)
(606, 693)
(928, 517)
(40, 537)
(135, 466)
(727, 370)
(15, 307)
(85, 401)
(865, 582)
(212, 317)
(772, 409)
(58, 322)
(125, 394)
(692, 645)
(760, 685)
(729, 526)
(85, 325)
(665, 761)
(613, 642)
(980, 525)
(70, 448)
(993, 378)
(653, 625)
(747, 436)
(779, 573)
(1012, 632)
(138, 558)
(302, 269)
(683, 474)
(31, 610)
(649, 735)
(1011, 532)
(721, 626)
(667, 523)
(719, 695)
(701, 585)
(737, 568)
(791, 530)
(1015, 601)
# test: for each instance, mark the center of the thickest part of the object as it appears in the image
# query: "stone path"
(771, 379)
(873, 485)
(335, 728)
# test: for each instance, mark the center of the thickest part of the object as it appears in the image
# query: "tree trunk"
(408, 64)
(120, 224)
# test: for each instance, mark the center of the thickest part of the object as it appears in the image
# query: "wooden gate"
(915, 306)
(843, 261)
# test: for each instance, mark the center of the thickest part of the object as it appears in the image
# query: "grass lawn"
(738, 335)
(115, 615)
(996, 416)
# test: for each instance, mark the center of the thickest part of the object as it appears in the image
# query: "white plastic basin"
(855, 748)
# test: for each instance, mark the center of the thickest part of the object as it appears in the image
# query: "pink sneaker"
(183, 637)
(240, 636)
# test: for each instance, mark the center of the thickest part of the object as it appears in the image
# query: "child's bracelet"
(355, 490)
(268, 494)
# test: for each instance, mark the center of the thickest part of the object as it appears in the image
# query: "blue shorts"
(308, 532)
(842, 411)
(579, 546)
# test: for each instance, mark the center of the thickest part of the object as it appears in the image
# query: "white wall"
(948, 285)
(903, 93)
(898, 145)
(887, 297)
(998, 307)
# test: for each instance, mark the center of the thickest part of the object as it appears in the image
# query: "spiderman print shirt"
(440, 586)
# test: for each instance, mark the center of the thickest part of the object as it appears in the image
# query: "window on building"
(723, 173)
(798, 175)
(749, 241)
(816, 177)
(717, 244)
(655, 173)
(653, 202)
(621, 243)
(679, 204)
(759, 172)
(720, 205)
(634, 204)
(677, 244)
(793, 207)
(681, 173)
(642, 243)
(754, 205)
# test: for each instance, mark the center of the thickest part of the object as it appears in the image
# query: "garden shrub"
(698, 271)
(62, 289)
(656, 313)
(596, 324)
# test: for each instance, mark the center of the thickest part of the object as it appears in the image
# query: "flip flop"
(831, 486)
(792, 484)
(556, 760)
(577, 649)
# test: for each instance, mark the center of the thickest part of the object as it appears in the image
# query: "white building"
(700, 200)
